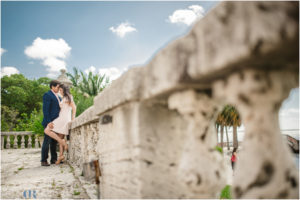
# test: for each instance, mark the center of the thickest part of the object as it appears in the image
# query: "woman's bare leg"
(53, 135)
(61, 150)
(61, 147)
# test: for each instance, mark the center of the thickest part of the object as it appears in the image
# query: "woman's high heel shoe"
(60, 158)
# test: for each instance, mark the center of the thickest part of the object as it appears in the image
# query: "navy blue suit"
(51, 111)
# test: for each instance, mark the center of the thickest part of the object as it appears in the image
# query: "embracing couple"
(57, 109)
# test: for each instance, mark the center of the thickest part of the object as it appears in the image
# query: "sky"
(39, 39)
(90, 35)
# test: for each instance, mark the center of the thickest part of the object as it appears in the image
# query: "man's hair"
(54, 83)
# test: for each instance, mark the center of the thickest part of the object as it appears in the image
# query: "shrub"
(225, 193)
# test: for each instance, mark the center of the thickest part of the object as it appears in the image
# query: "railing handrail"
(16, 133)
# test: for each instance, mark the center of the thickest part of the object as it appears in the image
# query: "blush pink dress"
(65, 116)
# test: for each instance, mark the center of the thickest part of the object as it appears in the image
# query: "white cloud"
(2, 51)
(8, 70)
(123, 29)
(187, 16)
(90, 69)
(111, 72)
(52, 52)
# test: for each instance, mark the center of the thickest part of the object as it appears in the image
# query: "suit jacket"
(50, 107)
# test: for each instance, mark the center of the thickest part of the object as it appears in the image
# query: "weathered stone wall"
(152, 129)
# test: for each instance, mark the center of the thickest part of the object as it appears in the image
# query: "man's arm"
(46, 108)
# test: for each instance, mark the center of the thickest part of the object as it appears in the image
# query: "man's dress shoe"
(45, 164)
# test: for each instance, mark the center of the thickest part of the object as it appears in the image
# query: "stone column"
(2, 141)
(22, 141)
(36, 143)
(15, 141)
(29, 145)
(7, 146)
(265, 166)
(202, 169)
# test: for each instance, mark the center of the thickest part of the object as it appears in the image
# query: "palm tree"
(92, 84)
(234, 121)
(228, 117)
(74, 78)
(220, 122)
(227, 138)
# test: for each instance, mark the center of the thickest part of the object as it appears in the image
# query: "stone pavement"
(21, 171)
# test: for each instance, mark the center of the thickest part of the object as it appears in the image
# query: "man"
(51, 110)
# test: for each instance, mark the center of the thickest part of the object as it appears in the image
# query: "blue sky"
(40, 38)
(85, 27)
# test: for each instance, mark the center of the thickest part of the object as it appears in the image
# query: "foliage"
(225, 193)
(85, 88)
(219, 149)
(44, 81)
(229, 116)
(76, 192)
(8, 118)
(19, 97)
(32, 123)
(90, 84)
(75, 77)
(82, 101)
(22, 98)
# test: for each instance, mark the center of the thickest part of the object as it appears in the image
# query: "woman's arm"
(73, 109)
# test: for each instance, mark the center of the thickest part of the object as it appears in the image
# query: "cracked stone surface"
(21, 171)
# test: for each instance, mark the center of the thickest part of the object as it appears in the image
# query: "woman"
(60, 124)
(233, 158)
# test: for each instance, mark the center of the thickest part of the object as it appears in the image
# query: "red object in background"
(233, 158)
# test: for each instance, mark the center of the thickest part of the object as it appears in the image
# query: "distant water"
(291, 132)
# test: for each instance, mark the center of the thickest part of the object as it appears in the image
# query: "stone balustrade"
(152, 129)
(15, 139)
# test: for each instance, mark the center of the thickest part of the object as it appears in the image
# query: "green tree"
(44, 81)
(75, 77)
(19, 97)
(229, 116)
(8, 118)
(86, 87)
(82, 101)
(92, 84)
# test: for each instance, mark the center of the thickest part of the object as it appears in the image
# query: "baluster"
(15, 141)
(36, 142)
(29, 142)
(22, 141)
(2, 141)
(7, 142)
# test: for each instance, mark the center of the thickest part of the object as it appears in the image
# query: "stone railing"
(153, 128)
(15, 139)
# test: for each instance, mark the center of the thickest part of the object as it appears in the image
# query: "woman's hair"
(66, 91)
(234, 150)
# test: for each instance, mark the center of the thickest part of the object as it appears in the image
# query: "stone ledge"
(87, 116)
